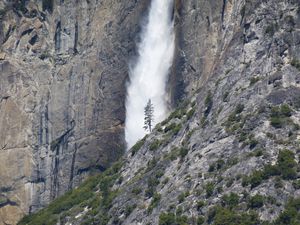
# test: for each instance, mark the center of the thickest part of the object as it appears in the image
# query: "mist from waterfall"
(149, 74)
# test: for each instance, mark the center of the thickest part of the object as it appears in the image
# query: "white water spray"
(149, 75)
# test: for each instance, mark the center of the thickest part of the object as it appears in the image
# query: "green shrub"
(257, 201)
(230, 200)
(271, 29)
(200, 220)
(257, 153)
(129, 209)
(178, 113)
(183, 152)
(285, 110)
(239, 108)
(181, 220)
(252, 142)
(166, 180)
(256, 178)
(159, 173)
(190, 113)
(209, 188)
(278, 183)
(286, 167)
(287, 164)
(224, 216)
(179, 210)
(254, 80)
(229, 182)
(219, 164)
(167, 219)
(155, 145)
(136, 190)
(291, 214)
(181, 197)
(200, 204)
(137, 146)
(279, 115)
(153, 181)
(173, 154)
(270, 170)
(296, 63)
(277, 122)
(296, 184)
(45, 55)
(155, 201)
(151, 164)
(81, 195)
(173, 128)
(172, 219)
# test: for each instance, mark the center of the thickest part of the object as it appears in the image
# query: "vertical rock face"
(63, 67)
(210, 31)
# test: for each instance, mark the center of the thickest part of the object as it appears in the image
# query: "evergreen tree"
(148, 120)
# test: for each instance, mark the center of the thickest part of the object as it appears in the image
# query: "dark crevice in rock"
(17, 43)
(4, 98)
(7, 35)
(208, 22)
(43, 16)
(47, 124)
(223, 10)
(57, 146)
(76, 38)
(8, 202)
(193, 69)
(91, 168)
(57, 36)
(72, 168)
(54, 190)
(243, 13)
(34, 39)
(28, 31)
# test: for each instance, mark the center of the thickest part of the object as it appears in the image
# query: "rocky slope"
(62, 89)
(229, 154)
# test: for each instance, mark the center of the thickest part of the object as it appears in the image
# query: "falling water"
(149, 74)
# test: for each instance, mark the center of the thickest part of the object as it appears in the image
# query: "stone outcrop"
(63, 70)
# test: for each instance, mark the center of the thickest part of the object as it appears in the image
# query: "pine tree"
(148, 120)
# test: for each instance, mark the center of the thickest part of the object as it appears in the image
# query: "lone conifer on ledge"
(148, 120)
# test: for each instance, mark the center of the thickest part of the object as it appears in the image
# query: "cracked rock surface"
(63, 67)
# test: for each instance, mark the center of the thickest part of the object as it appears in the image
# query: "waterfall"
(149, 74)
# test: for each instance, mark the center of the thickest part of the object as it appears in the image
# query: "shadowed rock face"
(63, 67)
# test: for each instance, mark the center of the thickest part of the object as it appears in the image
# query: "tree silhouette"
(148, 120)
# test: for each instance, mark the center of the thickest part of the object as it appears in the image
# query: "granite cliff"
(227, 154)
(62, 89)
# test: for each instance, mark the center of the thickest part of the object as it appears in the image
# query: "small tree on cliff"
(148, 120)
